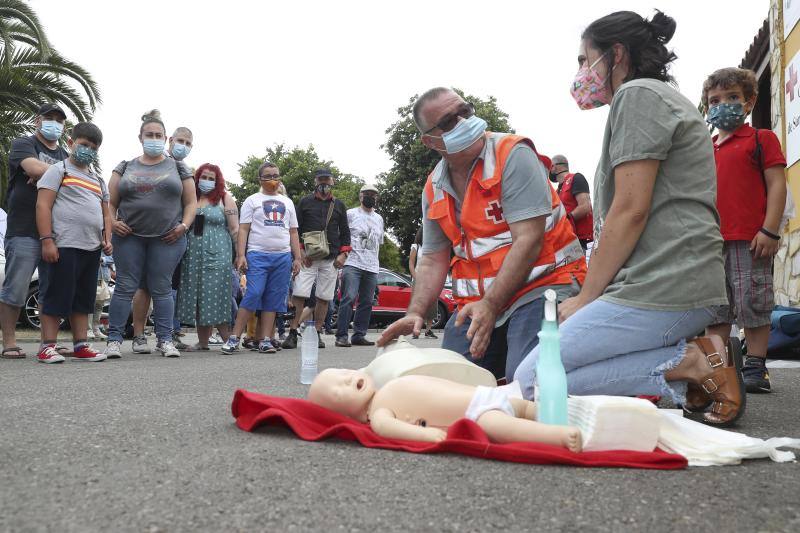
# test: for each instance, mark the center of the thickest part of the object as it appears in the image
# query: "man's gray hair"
(266, 164)
(560, 160)
(427, 96)
(183, 130)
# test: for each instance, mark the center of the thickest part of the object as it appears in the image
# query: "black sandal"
(20, 353)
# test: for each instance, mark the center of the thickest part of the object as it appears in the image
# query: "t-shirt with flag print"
(270, 217)
(77, 212)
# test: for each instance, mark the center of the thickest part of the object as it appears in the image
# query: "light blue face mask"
(153, 147)
(180, 151)
(83, 155)
(51, 129)
(206, 186)
(464, 134)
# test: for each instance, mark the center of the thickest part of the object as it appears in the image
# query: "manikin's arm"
(385, 424)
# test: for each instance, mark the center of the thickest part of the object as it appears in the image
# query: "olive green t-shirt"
(677, 264)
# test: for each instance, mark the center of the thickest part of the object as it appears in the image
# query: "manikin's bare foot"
(572, 440)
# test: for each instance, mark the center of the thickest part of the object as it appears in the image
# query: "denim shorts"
(23, 257)
(268, 277)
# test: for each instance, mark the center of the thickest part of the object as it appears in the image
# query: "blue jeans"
(509, 343)
(620, 350)
(361, 283)
(135, 256)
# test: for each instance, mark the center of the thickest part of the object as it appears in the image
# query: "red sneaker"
(48, 354)
(85, 353)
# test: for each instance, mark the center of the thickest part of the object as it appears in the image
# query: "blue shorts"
(23, 257)
(268, 278)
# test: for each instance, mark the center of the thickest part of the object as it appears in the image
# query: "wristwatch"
(185, 227)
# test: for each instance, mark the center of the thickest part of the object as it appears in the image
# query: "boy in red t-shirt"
(751, 193)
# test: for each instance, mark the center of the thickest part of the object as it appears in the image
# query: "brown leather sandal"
(697, 400)
(723, 385)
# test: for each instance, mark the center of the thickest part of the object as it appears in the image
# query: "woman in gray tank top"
(153, 203)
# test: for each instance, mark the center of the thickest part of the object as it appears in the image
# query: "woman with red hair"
(204, 296)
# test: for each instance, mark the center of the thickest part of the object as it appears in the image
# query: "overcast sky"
(244, 75)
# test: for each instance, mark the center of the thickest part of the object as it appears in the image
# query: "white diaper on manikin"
(491, 399)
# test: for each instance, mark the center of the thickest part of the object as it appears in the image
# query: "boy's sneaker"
(276, 344)
(756, 375)
(113, 350)
(48, 354)
(231, 345)
(215, 340)
(430, 334)
(291, 340)
(266, 346)
(321, 342)
(139, 344)
(167, 349)
(84, 352)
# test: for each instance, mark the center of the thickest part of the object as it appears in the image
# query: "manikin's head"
(347, 392)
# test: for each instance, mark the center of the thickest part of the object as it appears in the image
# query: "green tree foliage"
(297, 166)
(389, 256)
(32, 73)
(401, 187)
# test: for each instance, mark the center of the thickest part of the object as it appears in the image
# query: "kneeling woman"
(656, 273)
(204, 296)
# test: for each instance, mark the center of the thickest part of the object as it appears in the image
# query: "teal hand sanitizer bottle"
(551, 379)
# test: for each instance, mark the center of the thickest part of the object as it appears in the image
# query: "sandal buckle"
(706, 387)
(715, 362)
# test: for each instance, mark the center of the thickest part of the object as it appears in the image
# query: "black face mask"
(324, 189)
(369, 202)
(554, 177)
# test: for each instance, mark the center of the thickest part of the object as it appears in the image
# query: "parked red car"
(394, 295)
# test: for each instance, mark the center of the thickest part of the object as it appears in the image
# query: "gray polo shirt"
(525, 194)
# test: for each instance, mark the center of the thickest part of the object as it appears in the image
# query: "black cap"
(51, 108)
(322, 173)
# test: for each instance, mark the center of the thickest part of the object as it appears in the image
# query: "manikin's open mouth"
(360, 384)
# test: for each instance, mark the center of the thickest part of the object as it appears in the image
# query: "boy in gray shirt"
(74, 224)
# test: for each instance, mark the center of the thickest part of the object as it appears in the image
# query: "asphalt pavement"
(149, 444)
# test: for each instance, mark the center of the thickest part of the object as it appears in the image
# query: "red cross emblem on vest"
(494, 212)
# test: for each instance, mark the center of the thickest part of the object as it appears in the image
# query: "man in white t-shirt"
(360, 272)
(269, 251)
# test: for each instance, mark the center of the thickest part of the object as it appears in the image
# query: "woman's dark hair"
(418, 236)
(644, 40)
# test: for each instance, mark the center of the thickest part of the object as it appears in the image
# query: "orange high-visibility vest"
(482, 238)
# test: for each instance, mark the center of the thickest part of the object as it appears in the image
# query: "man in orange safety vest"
(491, 218)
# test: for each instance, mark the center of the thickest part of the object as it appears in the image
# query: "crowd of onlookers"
(176, 249)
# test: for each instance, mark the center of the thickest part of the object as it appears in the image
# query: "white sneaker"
(90, 335)
(113, 350)
(99, 334)
(139, 344)
(232, 345)
(215, 340)
(167, 349)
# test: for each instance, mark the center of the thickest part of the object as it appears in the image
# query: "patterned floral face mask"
(588, 90)
(726, 117)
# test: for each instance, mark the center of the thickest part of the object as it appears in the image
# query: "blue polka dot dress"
(204, 295)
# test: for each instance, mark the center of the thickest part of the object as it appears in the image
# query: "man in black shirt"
(319, 211)
(28, 160)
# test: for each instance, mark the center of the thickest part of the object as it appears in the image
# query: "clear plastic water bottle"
(309, 353)
(551, 379)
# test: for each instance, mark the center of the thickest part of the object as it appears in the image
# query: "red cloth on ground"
(312, 422)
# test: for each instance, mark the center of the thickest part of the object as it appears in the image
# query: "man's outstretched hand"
(481, 327)
(404, 326)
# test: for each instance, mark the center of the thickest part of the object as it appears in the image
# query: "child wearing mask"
(74, 224)
(751, 193)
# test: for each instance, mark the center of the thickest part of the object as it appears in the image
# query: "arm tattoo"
(230, 211)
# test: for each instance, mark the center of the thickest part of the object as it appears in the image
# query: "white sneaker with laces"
(99, 334)
(167, 349)
(139, 344)
(113, 350)
(215, 340)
